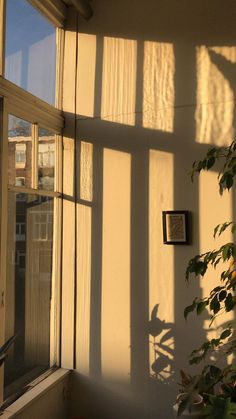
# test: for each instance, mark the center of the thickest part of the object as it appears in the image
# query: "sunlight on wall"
(68, 259)
(213, 210)
(119, 80)
(161, 268)
(158, 86)
(86, 75)
(116, 266)
(83, 288)
(86, 171)
(216, 82)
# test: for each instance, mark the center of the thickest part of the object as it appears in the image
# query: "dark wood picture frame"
(176, 227)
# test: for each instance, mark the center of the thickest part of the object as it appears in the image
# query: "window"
(19, 141)
(30, 238)
(20, 259)
(20, 230)
(20, 156)
(30, 134)
(29, 282)
(42, 226)
(46, 159)
(20, 181)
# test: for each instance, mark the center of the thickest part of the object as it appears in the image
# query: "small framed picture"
(175, 227)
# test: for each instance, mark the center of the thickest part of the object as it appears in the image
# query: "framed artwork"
(175, 227)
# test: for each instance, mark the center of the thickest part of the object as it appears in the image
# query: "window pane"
(19, 152)
(30, 60)
(46, 159)
(28, 289)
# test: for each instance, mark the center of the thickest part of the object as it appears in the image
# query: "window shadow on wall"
(153, 271)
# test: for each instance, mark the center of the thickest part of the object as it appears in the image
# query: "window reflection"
(19, 152)
(46, 159)
(30, 59)
(28, 289)
(20, 156)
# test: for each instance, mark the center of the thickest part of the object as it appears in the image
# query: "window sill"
(35, 393)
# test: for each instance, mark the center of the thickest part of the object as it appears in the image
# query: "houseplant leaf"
(219, 408)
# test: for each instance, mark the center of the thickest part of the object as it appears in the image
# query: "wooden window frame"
(22, 104)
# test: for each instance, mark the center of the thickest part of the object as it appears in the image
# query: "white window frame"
(24, 105)
(20, 156)
(20, 236)
(38, 225)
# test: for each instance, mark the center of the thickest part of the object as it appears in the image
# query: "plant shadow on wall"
(162, 370)
(216, 383)
(162, 341)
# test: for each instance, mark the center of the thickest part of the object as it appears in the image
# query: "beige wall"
(154, 88)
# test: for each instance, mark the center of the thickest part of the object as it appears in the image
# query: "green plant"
(190, 388)
(219, 408)
(211, 382)
(217, 385)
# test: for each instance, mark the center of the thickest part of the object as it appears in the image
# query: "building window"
(20, 156)
(42, 226)
(20, 231)
(46, 159)
(20, 259)
(19, 146)
(20, 181)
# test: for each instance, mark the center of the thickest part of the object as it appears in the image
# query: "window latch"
(2, 299)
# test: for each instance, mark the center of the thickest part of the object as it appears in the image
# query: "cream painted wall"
(155, 85)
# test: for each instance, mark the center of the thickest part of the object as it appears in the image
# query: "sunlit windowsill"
(34, 393)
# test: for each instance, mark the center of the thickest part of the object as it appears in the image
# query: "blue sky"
(24, 26)
(32, 37)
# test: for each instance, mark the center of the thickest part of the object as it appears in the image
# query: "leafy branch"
(228, 169)
(217, 386)
(222, 298)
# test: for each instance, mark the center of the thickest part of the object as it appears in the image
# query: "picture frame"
(176, 227)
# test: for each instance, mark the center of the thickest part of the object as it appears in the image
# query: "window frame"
(22, 104)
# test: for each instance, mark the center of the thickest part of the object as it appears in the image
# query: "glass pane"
(30, 59)
(19, 152)
(28, 288)
(46, 159)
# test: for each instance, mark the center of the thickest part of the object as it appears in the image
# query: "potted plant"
(189, 402)
(216, 385)
(210, 394)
